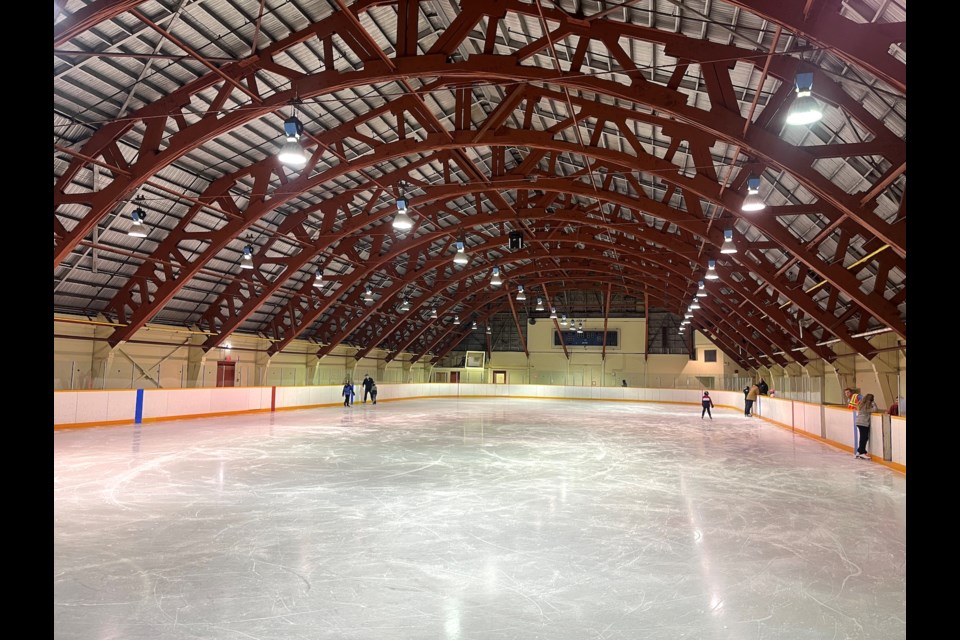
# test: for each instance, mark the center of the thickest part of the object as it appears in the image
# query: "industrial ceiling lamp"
(456, 319)
(433, 314)
(701, 290)
(318, 278)
(553, 313)
(563, 320)
(291, 153)
(461, 257)
(694, 304)
(495, 277)
(539, 304)
(474, 326)
(405, 305)
(247, 261)
(728, 246)
(401, 221)
(805, 108)
(488, 330)
(368, 294)
(521, 296)
(580, 327)
(753, 202)
(711, 270)
(138, 230)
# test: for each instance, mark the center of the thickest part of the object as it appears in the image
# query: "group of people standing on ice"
(369, 391)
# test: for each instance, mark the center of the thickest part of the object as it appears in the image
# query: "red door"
(226, 373)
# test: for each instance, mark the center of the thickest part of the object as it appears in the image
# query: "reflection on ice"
(473, 519)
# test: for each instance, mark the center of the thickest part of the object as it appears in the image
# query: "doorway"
(226, 373)
(499, 377)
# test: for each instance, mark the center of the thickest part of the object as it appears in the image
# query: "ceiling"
(616, 138)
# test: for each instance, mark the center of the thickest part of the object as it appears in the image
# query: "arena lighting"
(539, 304)
(563, 320)
(456, 319)
(318, 278)
(711, 270)
(553, 313)
(753, 202)
(495, 277)
(402, 221)
(488, 330)
(701, 290)
(805, 108)
(291, 153)
(864, 334)
(474, 325)
(247, 262)
(433, 314)
(694, 304)
(461, 256)
(368, 294)
(138, 230)
(728, 246)
(521, 296)
(405, 305)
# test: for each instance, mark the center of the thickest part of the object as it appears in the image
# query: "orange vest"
(854, 402)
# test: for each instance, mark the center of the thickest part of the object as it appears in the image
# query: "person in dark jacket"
(764, 388)
(373, 390)
(707, 403)
(347, 393)
(367, 383)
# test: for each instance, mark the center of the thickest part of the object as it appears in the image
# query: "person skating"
(707, 403)
(367, 382)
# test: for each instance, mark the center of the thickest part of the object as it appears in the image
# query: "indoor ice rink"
(540, 230)
(474, 518)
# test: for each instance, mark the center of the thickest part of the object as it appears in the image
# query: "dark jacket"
(764, 388)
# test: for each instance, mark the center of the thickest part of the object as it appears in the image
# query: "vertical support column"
(886, 367)
(845, 368)
(406, 370)
(312, 363)
(196, 359)
(103, 354)
(814, 373)
(791, 373)
(261, 367)
(350, 365)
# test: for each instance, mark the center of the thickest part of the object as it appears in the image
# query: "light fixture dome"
(292, 154)
(402, 221)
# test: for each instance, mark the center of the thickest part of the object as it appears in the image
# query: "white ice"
(474, 519)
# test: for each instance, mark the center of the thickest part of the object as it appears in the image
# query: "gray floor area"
(463, 519)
